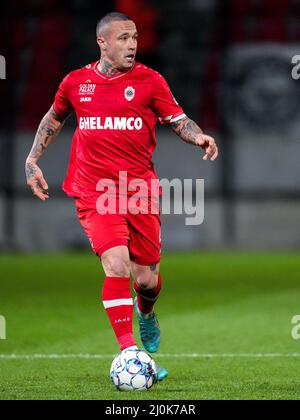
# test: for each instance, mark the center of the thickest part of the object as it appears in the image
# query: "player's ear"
(101, 42)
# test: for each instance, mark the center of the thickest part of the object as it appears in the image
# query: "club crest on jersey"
(129, 93)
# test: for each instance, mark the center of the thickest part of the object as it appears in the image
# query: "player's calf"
(147, 295)
(118, 303)
(116, 262)
(148, 322)
(116, 294)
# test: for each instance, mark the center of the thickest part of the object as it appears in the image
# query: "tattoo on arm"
(48, 130)
(188, 130)
(30, 170)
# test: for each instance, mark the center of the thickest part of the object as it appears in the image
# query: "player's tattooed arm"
(188, 130)
(191, 133)
(48, 130)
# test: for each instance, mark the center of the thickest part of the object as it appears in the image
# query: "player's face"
(120, 44)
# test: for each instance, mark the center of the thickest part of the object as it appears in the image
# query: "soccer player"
(118, 102)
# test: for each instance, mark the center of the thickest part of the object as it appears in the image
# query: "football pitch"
(225, 320)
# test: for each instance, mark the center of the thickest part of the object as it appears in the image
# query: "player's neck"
(106, 68)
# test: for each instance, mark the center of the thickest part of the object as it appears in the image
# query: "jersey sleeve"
(164, 104)
(62, 105)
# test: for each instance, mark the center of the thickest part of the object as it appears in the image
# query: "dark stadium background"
(231, 284)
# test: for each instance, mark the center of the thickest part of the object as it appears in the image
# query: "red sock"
(147, 298)
(117, 301)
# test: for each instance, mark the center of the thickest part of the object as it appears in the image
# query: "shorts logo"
(129, 93)
(87, 89)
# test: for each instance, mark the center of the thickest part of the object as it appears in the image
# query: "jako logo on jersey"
(89, 99)
(87, 89)
(110, 123)
(129, 93)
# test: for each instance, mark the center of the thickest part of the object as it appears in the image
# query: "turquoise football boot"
(149, 330)
(161, 373)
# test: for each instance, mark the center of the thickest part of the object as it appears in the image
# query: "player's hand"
(36, 180)
(210, 147)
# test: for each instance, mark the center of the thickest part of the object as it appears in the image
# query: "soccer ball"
(133, 370)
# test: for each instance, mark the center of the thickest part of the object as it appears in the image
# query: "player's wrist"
(30, 160)
(200, 141)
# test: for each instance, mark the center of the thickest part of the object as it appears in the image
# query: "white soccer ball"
(133, 370)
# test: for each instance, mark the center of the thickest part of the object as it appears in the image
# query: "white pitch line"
(159, 355)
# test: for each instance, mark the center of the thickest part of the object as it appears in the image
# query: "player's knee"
(116, 266)
(147, 280)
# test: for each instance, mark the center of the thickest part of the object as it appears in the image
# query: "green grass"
(211, 303)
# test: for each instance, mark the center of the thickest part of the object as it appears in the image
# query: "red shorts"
(141, 233)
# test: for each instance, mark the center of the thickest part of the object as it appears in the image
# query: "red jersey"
(116, 118)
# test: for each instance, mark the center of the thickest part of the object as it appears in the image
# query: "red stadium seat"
(242, 7)
(146, 17)
(279, 7)
(273, 30)
(44, 70)
(237, 31)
